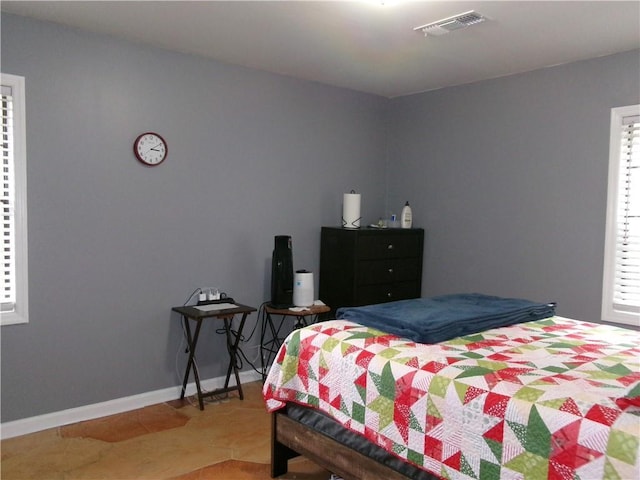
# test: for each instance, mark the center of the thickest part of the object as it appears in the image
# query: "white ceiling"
(363, 45)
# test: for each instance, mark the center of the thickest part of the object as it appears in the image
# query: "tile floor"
(175, 440)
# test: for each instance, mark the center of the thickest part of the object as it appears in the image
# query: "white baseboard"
(110, 407)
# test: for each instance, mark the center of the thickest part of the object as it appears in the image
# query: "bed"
(547, 398)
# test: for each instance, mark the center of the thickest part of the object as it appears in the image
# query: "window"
(621, 279)
(15, 299)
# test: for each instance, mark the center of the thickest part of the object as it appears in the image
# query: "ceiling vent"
(450, 24)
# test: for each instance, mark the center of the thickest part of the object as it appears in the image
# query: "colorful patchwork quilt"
(555, 398)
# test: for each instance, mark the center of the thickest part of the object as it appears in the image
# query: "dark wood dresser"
(368, 265)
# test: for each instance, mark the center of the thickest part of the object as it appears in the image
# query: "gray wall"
(113, 245)
(509, 177)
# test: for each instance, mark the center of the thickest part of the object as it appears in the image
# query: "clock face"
(150, 148)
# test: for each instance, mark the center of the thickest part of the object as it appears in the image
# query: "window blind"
(8, 203)
(626, 288)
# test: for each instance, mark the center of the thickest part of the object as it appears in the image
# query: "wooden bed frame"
(290, 439)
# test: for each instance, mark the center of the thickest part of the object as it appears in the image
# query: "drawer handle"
(391, 270)
(389, 295)
(390, 246)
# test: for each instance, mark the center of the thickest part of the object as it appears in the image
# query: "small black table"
(226, 315)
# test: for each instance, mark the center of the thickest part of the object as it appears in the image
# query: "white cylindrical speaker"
(303, 288)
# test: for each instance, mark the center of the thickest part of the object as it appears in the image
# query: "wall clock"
(150, 148)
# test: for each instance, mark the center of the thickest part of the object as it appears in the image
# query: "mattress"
(322, 423)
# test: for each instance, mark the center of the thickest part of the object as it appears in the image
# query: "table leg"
(268, 322)
(232, 346)
(263, 330)
(187, 328)
(274, 343)
(300, 322)
(192, 342)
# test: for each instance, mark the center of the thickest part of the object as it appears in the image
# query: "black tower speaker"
(282, 273)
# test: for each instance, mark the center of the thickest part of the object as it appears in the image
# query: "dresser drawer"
(367, 266)
(370, 294)
(389, 246)
(371, 272)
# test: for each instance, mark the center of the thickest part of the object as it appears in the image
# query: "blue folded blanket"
(436, 319)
